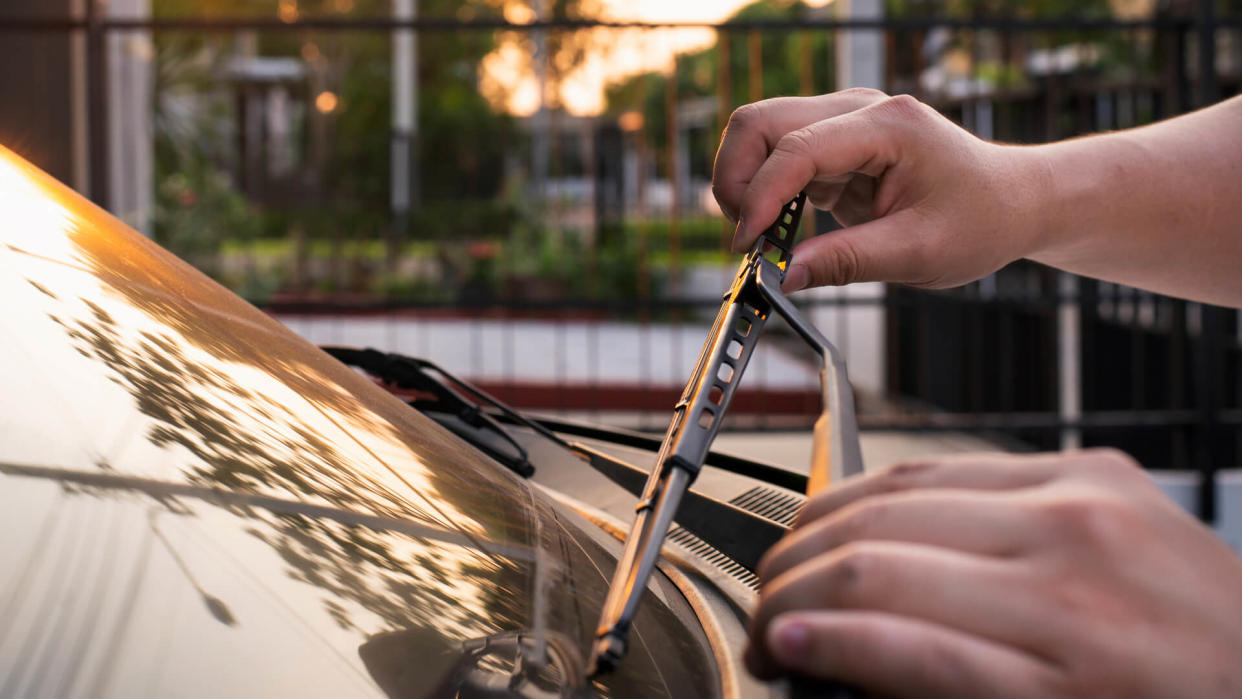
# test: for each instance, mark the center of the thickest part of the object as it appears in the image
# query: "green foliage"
(539, 263)
(463, 145)
(197, 209)
(704, 233)
(455, 220)
(462, 141)
(1000, 74)
(782, 58)
(404, 287)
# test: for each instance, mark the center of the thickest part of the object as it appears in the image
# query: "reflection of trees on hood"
(196, 405)
(373, 568)
(202, 315)
(372, 579)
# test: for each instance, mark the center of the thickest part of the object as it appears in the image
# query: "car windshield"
(226, 507)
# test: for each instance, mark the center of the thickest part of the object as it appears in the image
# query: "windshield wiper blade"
(753, 296)
(414, 374)
(768, 473)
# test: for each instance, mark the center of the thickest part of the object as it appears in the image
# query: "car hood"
(198, 502)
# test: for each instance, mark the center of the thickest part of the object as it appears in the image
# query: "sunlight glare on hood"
(35, 221)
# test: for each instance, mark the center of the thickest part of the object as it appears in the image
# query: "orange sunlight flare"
(507, 75)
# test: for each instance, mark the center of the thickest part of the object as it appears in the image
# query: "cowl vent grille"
(779, 506)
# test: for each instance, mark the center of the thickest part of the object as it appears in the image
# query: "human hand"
(923, 201)
(998, 575)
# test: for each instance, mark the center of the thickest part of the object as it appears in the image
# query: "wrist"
(1040, 216)
(1085, 187)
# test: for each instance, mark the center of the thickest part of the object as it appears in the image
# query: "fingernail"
(737, 245)
(796, 279)
(790, 640)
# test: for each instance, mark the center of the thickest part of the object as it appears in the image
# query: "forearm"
(1158, 207)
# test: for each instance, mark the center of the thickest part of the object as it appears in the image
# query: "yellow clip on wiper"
(753, 296)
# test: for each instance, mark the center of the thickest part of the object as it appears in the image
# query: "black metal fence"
(625, 273)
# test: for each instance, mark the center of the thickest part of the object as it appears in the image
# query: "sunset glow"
(507, 75)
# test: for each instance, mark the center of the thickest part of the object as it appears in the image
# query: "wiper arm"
(414, 374)
(754, 294)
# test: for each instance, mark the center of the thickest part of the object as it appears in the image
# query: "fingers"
(977, 595)
(754, 130)
(962, 520)
(857, 201)
(968, 471)
(857, 142)
(824, 195)
(886, 249)
(895, 656)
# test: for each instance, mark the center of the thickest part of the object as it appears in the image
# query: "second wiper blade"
(414, 374)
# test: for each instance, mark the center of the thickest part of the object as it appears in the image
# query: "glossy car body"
(196, 502)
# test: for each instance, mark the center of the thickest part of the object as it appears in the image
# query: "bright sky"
(508, 77)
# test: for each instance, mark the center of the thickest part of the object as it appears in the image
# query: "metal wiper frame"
(754, 295)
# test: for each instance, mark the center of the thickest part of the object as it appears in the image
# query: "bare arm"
(1158, 207)
(1052, 575)
(926, 203)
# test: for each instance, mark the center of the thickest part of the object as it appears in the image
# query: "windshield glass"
(146, 391)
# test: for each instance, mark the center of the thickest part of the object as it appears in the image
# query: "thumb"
(887, 249)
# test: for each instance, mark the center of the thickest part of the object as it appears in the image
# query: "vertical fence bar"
(1183, 90)
(724, 107)
(403, 162)
(96, 100)
(673, 137)
(918, 40)
(1003, 129)
(806, 65)
(1088, 332)
(591, 326)
(1007, 348)
(922, 308)
(1210, 359)
(806, 87)
(1138, 354)
(975, 354)
(560, 330)
(673, 154)
(754, 64)
(1209, 89)
(1209, 374)
(643, 280)
(1069, 358)
(1176, 378)
(724, 79)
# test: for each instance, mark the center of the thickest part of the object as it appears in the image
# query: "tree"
(781, 52)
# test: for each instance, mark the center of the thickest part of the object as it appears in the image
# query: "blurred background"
(519, 190)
